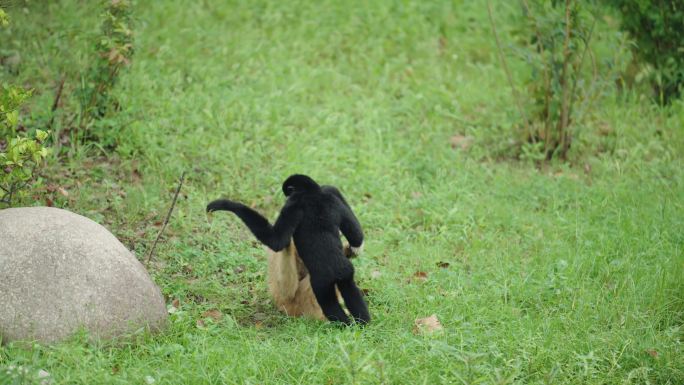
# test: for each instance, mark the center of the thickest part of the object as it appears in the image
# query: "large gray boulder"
(60, 272)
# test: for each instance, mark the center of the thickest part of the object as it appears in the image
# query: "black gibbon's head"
(299, 183)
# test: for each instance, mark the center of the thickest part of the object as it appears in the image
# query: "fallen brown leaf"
(443, 265)
(136, 175)
(652, 352)
(213, 314)
(420, 276)
(63, 191)
(426, 325)
(176, 303)
(258, 325)
(200, 323)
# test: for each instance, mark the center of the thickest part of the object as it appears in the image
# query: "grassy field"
(568, 273)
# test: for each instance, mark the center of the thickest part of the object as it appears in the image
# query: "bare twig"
(58, 95)
(55, 103)
(504, 64)
(166, 221)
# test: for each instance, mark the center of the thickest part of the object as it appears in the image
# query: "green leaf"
(4, 19)
(41, 135)
(12, 118)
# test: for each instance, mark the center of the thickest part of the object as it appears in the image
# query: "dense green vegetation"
(540, 272)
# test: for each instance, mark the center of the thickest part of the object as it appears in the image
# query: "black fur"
(313, 216)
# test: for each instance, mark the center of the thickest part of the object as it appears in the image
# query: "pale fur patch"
(290, 284)
(357, 250)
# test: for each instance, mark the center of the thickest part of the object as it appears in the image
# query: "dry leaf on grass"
(213, 314)
(443, 265)
(175, 305)
(427, 325)
(419, 276)
(652, 352)
(200, 323)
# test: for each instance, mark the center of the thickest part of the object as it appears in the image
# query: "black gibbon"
(313, 217)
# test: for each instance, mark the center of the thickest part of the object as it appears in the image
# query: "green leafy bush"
(557, 51)
(11, 98)
(657, 27)
(557, 43)
(114, 50)
(4, 19)
(19, 160)
(20, 155)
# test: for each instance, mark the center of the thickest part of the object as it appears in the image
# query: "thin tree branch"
(166, 221)
(564, 118)
(55, 103)
(547, 79)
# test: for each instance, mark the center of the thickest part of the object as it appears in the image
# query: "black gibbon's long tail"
(276, 237)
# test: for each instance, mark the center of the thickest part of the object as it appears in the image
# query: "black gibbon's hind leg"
(327, 300)
(353, 299)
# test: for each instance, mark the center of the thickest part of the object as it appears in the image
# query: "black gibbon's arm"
(350, 226)
(275, 237)
(351, 229)
(333, 190)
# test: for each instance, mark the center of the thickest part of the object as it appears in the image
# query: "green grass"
(564, 274)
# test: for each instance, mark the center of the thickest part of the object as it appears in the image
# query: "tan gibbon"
(289, 283)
